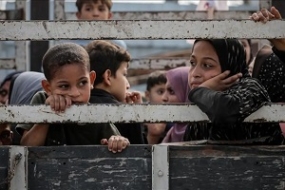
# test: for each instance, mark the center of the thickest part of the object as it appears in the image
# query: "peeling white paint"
(105, 113)
(158, 29)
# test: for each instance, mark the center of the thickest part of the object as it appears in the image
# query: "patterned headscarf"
(231, 55)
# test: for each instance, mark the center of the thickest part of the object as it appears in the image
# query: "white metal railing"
(20, 62)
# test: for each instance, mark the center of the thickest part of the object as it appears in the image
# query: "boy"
(68, 81)
(95, 10)
(155, 88)
(110, 62)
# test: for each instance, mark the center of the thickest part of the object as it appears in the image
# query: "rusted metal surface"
(89, 168)
(18, 169)
(50, 30)
(190, 167)
(7, 64)
(105, 113)
(163, 63)
(4, 165)
(169, 15)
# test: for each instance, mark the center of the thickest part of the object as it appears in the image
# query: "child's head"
(177, 85)
(155, 86)
(247, 47)
(212, 57)
(67, 71)
(94, 9)
(110, 62)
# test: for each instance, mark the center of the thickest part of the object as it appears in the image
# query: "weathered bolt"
(160, 173)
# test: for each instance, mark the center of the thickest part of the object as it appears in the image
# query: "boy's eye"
(83, 83)
(160, 92)
(63, 86)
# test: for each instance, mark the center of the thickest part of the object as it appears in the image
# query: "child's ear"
(92, 78)
(46, 87)
(146, 93)
(107, 77)
(78, 15)
(110, 16)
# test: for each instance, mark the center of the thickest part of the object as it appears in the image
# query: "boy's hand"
(116, 143)
(221, 82)
(133, 98)
(265, 15)
(58, 103)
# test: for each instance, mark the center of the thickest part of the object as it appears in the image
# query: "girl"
(176, 92)
(222, 88)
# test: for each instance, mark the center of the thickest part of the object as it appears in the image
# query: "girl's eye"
(192, 63)
(206, 65)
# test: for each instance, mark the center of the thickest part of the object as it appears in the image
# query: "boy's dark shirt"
(132, 131)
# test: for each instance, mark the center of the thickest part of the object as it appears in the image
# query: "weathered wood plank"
(89, 167)
(4, 165)
(227, 167)
(167, 29)
(125, 113)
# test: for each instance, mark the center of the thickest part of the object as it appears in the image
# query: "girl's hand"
(221, 82)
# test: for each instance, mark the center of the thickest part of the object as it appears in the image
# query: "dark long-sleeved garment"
(132, 131)
(229, 108)
(227, 112)
(269, 69)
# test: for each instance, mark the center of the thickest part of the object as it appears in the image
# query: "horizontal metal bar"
(50, 30)
(171, 15)
(158, 63)
(101, 113)
(7, 64)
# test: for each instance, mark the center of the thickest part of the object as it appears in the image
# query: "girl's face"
(204, 63)
(169, 94)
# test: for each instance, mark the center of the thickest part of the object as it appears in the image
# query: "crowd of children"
(95, 72)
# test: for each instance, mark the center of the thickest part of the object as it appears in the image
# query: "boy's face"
(155, 94)
(94, 11)
(72, 80)
(120, 83)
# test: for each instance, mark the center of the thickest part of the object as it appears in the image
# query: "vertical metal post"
(265, 4)
(18, 169)
(59, 13)
(22, 47)
(39, 11)
(160, 167)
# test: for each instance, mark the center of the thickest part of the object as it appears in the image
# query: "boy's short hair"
(64, 54)
(155, 78)
(105, 55)
(79, 3)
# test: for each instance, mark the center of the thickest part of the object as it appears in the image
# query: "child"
(68, 81)
(110, 62)
(177, 91)
(222, 88)
(95, 10)
(155, 88)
